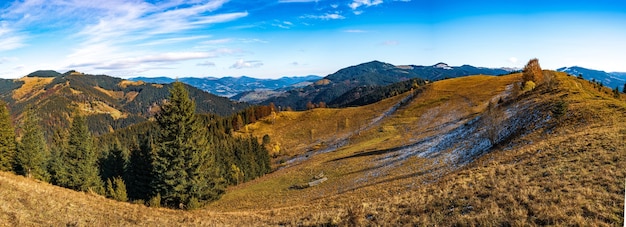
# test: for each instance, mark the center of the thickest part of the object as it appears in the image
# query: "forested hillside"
(108, 103)
(180, 160)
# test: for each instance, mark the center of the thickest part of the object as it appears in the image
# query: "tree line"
(180, 160)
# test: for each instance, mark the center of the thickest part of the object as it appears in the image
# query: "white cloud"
(150, 60)
(9, 39)
(113, 34)
(216, 41)
(173, 40)
(241, 64)
(327, 16)
(513, 60)
(358, 3)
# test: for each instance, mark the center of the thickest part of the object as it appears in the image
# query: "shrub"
(529, 86)
(155, 201)
(532, 71)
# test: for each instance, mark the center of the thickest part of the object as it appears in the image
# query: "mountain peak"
(442, 65)
(44, 73)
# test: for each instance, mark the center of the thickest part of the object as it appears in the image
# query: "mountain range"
(359, 81)
(230, 86)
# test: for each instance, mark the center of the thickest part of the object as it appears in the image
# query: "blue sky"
(269, 39)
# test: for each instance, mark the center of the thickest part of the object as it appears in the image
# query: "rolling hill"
(109, 103)
(231, 86)
(466, 151)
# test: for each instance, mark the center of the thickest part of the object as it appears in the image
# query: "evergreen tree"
(32, 155)
(624, 89)
(139, 173)
(113, 164)
(57, 166)
(7, 139)
(184, 167)
(81, 160)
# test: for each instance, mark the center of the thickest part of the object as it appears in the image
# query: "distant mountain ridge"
(231, 86)
(609, 79)
(347, 80)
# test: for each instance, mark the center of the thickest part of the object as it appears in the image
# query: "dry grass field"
(564, 170)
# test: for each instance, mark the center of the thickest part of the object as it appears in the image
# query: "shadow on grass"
(368, 153)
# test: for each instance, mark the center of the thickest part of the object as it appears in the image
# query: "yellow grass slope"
(32, 87)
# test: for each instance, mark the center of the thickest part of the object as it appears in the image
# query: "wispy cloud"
(9, 39)
(111, 34)
(216, 41)
(241, 64)
(327, 16)
(358, 3)
(144, 61)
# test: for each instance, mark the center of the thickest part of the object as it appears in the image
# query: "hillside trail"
(343, 140)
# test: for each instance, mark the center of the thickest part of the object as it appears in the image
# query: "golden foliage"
(32, 87)
(126, 83)
(532, 71)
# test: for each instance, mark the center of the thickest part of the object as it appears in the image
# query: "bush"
(155, 201)
(193, 204)
(532, 71)
(529, 86)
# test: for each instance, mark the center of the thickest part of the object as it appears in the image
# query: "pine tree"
(114, 161)
(624, 89)
(81, 160)
(58, 153)
(7, 139)
(139, 172)
(184, 167)
(32, 155)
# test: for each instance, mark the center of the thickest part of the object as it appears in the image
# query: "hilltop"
(439, 154)
(110, 103)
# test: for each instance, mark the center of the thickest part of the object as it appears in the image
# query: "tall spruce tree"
(114, 161)
(184, 167)
(139, 173)
(81, 161)
(7, 139)
(32, 155)
(58, 150)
